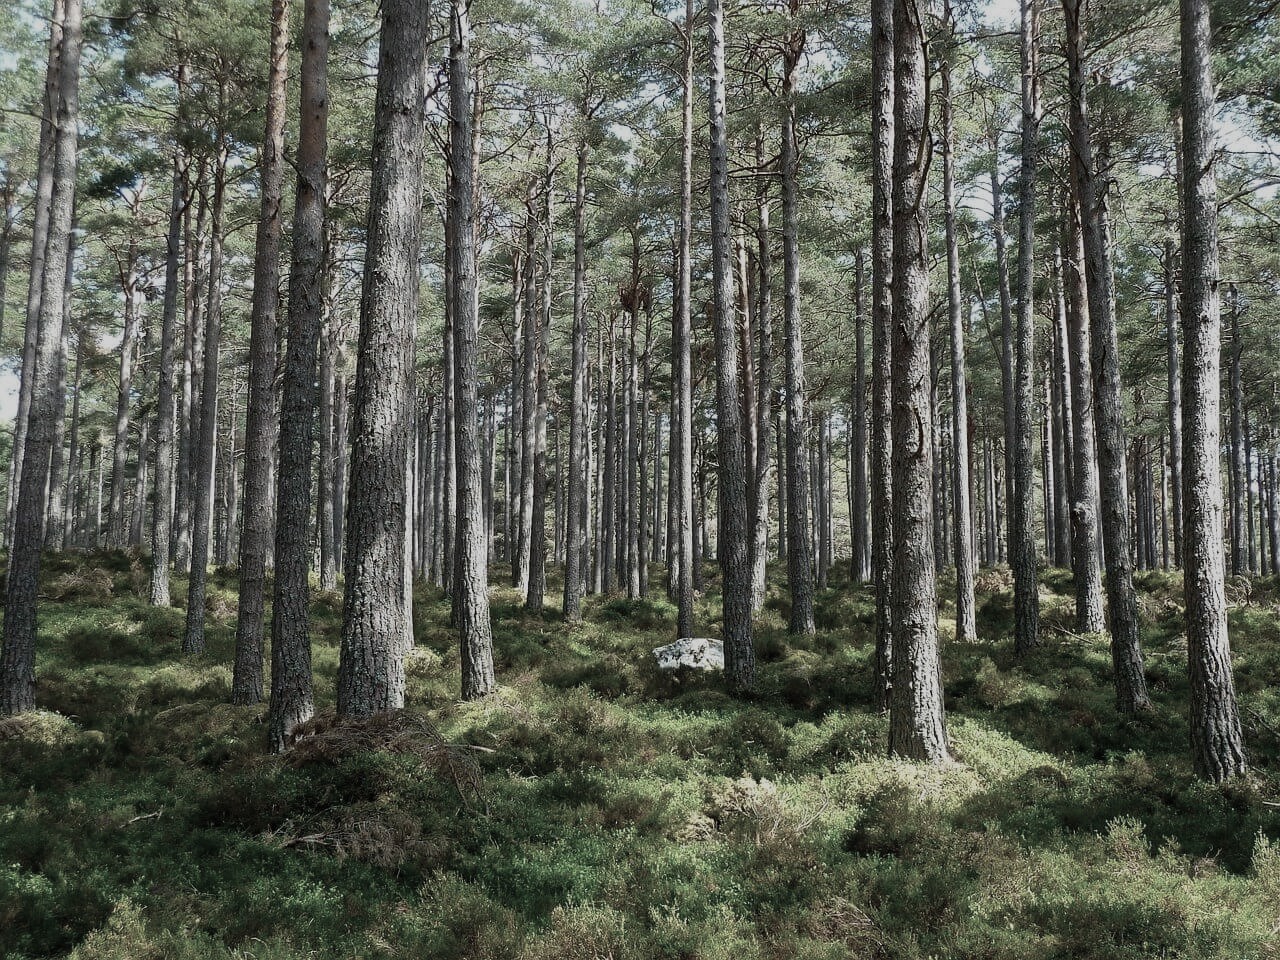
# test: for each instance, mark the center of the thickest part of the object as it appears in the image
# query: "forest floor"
(596, 808)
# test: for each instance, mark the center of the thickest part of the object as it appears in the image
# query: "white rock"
(696, 653)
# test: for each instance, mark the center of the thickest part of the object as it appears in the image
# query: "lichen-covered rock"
(695, 653)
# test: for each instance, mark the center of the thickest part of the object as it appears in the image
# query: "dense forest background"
(387, 381)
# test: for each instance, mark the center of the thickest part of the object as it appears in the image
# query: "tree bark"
(882, 306)
(917, 719)
(799, 546)
(1126, 651)
(203, 450)
(732, 548)
(966, 624)
(1026, 599)
(17, 656)
(371, 665)
(292, 700)
(1217, 745)
(472, 586)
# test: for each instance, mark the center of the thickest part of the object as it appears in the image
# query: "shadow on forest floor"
(595, 807)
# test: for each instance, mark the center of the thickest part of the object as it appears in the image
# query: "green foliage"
(603, 810)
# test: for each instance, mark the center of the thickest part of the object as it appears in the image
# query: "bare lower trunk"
(1217, 746)
(260, 419)
(882, 306)
(17, 656)
(917, 720)
(292, 700)
(472, 587)
(202, 487)
(732, 548)
(371, 665)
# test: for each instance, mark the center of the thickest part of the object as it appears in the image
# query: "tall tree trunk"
(202, 486)
(17, 656)
(966, 625)
(74, 484)
(528, 403)
(46, 158)
(1175, 396)
(1217, 746)
(1126, 651)
(917, 719)
(58, 466)
(681, 345)
(882, 306)
(538, 529)
(117, 524)
(292, 699)
(1239, 468)
(732, 548)
(799, 559)
(1084, 514)
(762, 335)
(1026, 595)
(575, 552)
(371, 663)
(260, 418)
(859, 531)
(472, 587)
(166, 412)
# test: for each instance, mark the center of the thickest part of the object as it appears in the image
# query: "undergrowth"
(596, 808)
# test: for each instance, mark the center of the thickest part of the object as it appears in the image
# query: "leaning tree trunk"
(371, 661)
(1217, 746)
(260, 427)
(799, 545)
(17, 657)
(1126, 650)
(292, 700)
(732, 548)
(472, 576)
(966, 625)
(1026, 596)
(917, 719)
(882, 306)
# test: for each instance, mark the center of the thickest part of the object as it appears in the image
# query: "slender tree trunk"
(166, 413)
(371, 664)
(682, 364)
(46, 158)
(1026, 601)
(799, 559)
(1239, 468)
(1217, 746)
(882, 307)
(1084, 516)
(292, 699)
(917, 719)
(53, 531)
(475, 632)
(260, 421)
(762, 335)
(117, 524)
(575, 553)
(732, 548)
(538, 530)
(859, 530)
(17, 655)
(202, 487)
(1126, 651)
(74, 484)
(966, 625)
